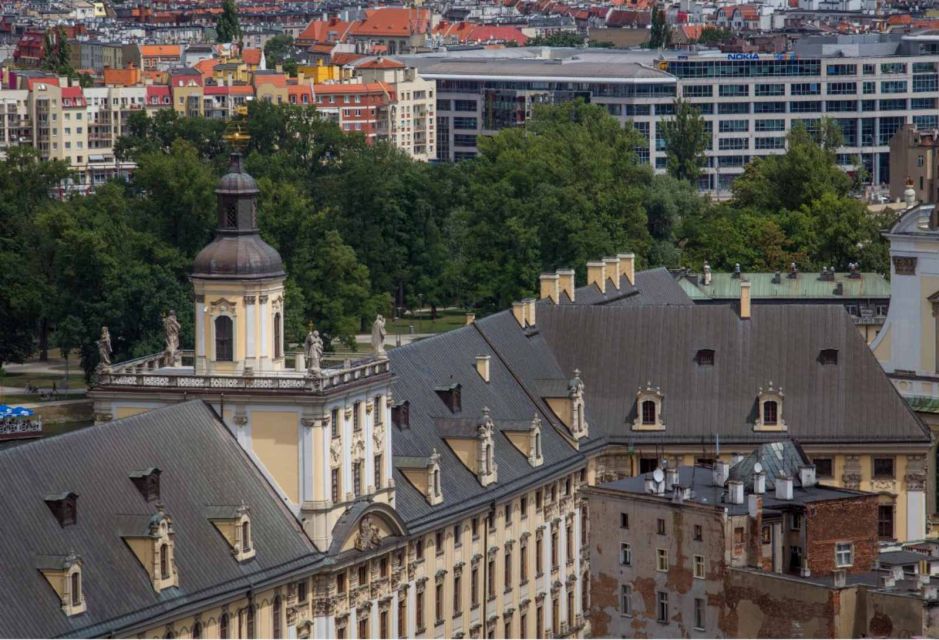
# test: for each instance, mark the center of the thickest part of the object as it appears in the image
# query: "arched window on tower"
(223, 339)
(76, 589)
(277, 344)
(648, 412)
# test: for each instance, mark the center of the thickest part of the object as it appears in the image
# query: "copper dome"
(238, 251)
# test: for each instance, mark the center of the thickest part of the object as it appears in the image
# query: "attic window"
(64, 507)
(147, 483)
(828, 356)
(451, 397)
(401, 415)
(705, 357)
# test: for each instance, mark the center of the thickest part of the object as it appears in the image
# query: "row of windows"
(661, 607)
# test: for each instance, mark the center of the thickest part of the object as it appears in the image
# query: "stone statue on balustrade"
(104, 350)
(378, 335)
(313, 351)
(171, 329)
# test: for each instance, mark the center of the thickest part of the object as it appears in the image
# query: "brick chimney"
(613, 271)
(566, 282)
(745, 300)
(529, 311)
(627, 266)
(482, 367)
(549, 286)
(518, 310)
(596, 274)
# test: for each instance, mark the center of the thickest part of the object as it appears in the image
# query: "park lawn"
(446, 321)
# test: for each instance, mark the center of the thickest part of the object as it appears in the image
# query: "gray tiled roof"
(201, 464)
(516, 359)
(620, 348)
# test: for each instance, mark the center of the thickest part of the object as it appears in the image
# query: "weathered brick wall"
(850, 520)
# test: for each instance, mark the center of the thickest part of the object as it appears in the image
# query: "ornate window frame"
(649, 393)
(766, 396)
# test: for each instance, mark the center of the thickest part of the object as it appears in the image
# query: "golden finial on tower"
(236, 136)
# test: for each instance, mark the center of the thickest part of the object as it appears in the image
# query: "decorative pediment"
(223, 305)
(365, 526)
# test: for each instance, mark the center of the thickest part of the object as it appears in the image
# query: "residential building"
(412, 112)
(361, 107)
(871, 85)
(748, 549)
(913, 163)
(865, 296)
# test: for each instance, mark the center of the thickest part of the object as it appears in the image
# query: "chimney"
(678, 494)
(759, 483)
(596, 274)
(613, 271)
(518, 310)
(470, 318)
(839, 578)
(745, 300)
(566, 282)
(720, 473)
(735, 492)
(784, 488)
(671, 478)
(649, 484)
(887, 581)
(754, 505)
(627, 266)
(529, 311)
(807, 476)
(549, 286)
(735, 458)
(793, 271)
(482, 367)
(897, 572)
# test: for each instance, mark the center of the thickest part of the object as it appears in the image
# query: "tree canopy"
(686, 140)
(364, 229)
(227, 26)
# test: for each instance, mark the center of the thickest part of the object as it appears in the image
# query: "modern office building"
(871, 85)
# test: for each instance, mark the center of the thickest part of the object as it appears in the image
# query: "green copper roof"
(806, 285)
(924, 404)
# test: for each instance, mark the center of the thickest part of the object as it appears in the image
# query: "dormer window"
(152, 541)
(575, 392)
(147, 483)
(649, 400)
(828, 356)
(234, 523)
(486, 469)
(64, 507)
(401, 415)
(452, 397)
(64, 575)
(424, 474)
(770, 410)
(705, 357)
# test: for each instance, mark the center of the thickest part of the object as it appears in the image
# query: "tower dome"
(238, 252)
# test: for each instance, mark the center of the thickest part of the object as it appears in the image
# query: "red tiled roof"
(158, 90)
(332, 30)
(206, 67)
(392, 21)
(345, 57)
(50, 80)
(147, 50)
(251, 56)
(361, 88)
(491, 33)
(381, 63)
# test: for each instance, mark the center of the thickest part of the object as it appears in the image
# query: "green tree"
(686, 140)
(801, 175)
(227, 26)
(279, 50)
(715, 35)
(57, 52)
(561, 191)
(559, 39)
(660, 36)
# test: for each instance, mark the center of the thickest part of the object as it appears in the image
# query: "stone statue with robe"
(313, 351)
(378, 335)
(104, 347)
(171, 329)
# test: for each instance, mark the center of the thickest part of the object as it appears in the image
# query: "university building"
(433, 491)
(871, 85)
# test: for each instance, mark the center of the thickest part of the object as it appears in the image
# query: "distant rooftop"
(808, 285)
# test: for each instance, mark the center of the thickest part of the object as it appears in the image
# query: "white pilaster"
(915, 515)
(251, 332)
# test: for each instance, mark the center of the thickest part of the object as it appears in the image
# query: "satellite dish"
(657, 475)
(757, 468)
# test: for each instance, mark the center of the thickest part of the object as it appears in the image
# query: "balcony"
(154, 372)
